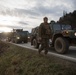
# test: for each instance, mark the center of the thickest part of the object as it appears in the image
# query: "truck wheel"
(61, 45)
(36, 45)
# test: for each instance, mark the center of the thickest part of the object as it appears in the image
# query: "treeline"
(69, 19)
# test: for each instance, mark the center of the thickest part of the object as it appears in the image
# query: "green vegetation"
(69, 18)
(16, 60)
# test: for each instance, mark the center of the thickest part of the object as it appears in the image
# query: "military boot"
(40, 49)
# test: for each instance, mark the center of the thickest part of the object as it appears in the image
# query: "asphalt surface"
(70, 56)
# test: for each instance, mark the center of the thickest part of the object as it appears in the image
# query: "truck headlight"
(18, 37)
(28, 37)
(75, 33)
(65, 32)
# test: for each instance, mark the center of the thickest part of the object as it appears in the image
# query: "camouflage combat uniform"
(45, 34)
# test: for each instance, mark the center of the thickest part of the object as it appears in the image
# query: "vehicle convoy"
(63, 36)
(18, 36)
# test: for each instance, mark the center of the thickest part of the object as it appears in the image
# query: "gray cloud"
(20, 25)
(34, 11)
(38, 10)
(74, 3)
(47, 10)
(11, 26)
(27, 12)
(23, 23)
(6, 11)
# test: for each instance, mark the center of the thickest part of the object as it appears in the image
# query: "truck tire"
(61, 45)
(36, 45)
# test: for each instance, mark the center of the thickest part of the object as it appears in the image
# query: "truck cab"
(63, 36)
(19, 36)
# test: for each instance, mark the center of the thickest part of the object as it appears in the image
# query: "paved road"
(71, 55)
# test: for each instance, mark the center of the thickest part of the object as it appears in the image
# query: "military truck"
(63, 36)
(35, 37)
(18, 36)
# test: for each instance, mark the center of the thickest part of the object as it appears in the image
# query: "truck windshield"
(66, 27)
(23, 33)
(56, 27)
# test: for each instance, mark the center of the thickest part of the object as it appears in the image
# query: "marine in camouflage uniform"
(44, 34)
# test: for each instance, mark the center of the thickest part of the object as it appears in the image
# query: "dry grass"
(21, 61)
(3, 46)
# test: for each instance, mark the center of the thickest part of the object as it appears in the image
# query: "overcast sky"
(28, 14)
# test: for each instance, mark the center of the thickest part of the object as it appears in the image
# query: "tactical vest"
(46, 30)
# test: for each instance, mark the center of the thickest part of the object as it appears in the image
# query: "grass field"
(16, 60)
